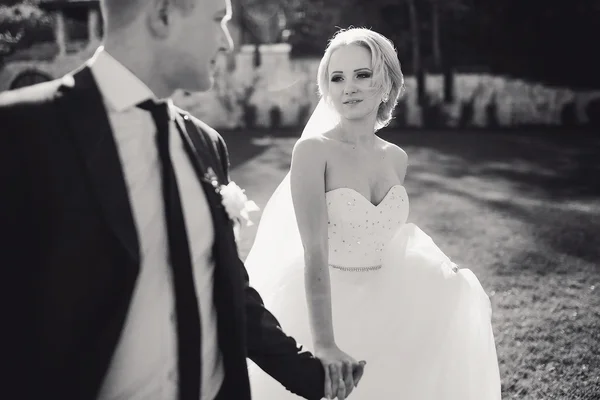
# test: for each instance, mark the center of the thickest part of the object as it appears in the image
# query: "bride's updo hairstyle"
(387, 73)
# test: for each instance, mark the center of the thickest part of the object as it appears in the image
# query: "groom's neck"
(137, 55)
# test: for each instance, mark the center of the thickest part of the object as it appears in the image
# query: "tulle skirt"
(423, 327)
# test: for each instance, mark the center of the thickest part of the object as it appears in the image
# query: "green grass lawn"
(522, 210)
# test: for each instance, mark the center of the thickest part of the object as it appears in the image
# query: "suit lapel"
(82, 107)
(205, 164)
(211, 175)
(228, 289)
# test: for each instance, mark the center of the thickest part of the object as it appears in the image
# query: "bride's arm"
(307, 180)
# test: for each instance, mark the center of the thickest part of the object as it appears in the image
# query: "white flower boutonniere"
(236, 203)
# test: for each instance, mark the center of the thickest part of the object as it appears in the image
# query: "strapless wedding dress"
(422, 324)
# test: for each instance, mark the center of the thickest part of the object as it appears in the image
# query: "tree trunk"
(448, 83)
(416, 50)
(435, 35)
(442, 66)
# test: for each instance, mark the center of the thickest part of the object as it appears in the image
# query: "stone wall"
(278, 82)
(290, 86)
(54, 68)
(282, 91)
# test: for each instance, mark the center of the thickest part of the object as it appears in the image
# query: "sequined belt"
(359, 269)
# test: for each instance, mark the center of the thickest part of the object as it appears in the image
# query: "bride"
(343, 271)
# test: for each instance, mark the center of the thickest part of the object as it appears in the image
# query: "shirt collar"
(119, 86)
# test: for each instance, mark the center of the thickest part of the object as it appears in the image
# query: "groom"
(119, 260)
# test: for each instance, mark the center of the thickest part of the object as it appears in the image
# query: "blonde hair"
(385, 65)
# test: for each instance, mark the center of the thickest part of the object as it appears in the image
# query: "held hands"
(342, 372)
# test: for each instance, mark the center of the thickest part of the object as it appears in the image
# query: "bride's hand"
(342, 372)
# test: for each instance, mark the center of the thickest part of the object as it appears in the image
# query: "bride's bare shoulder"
(312, 147)
(308, 164)
(397, 155)
(393, 150)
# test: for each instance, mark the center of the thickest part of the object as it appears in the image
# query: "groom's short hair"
(120, 13)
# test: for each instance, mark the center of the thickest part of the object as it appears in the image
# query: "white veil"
(277, 250)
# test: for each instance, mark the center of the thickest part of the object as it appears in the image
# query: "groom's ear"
(160, 17)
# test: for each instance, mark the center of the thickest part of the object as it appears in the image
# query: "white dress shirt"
(144, 365)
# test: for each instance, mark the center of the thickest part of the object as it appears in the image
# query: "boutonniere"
(236, 203)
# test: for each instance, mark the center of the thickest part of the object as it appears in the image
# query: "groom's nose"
(226, 40)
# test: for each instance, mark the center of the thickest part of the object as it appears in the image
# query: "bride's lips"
(351, 102)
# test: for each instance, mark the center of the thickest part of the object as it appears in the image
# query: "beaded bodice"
(359, 230)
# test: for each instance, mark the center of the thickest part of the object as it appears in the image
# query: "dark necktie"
(186, 302)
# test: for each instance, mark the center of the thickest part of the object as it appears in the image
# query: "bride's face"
(351, 89)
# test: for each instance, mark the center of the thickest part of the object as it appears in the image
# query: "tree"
(21, 24)
(415, 34)
(443, 11)
(311, 24)
(8, 44)
(542, 40)
(265, 20)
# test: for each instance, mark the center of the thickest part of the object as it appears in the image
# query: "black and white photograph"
(300, 199)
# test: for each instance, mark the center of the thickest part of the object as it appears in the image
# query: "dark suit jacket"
(70, 254)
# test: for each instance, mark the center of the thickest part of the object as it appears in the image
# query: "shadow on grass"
(243, 147)
(549, 183)
(555, 166)
(572, 233)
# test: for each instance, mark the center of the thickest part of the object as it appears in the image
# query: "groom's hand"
(342, 378)
(357, 371)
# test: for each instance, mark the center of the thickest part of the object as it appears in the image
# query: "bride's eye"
(364, 75)
(336, 79)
